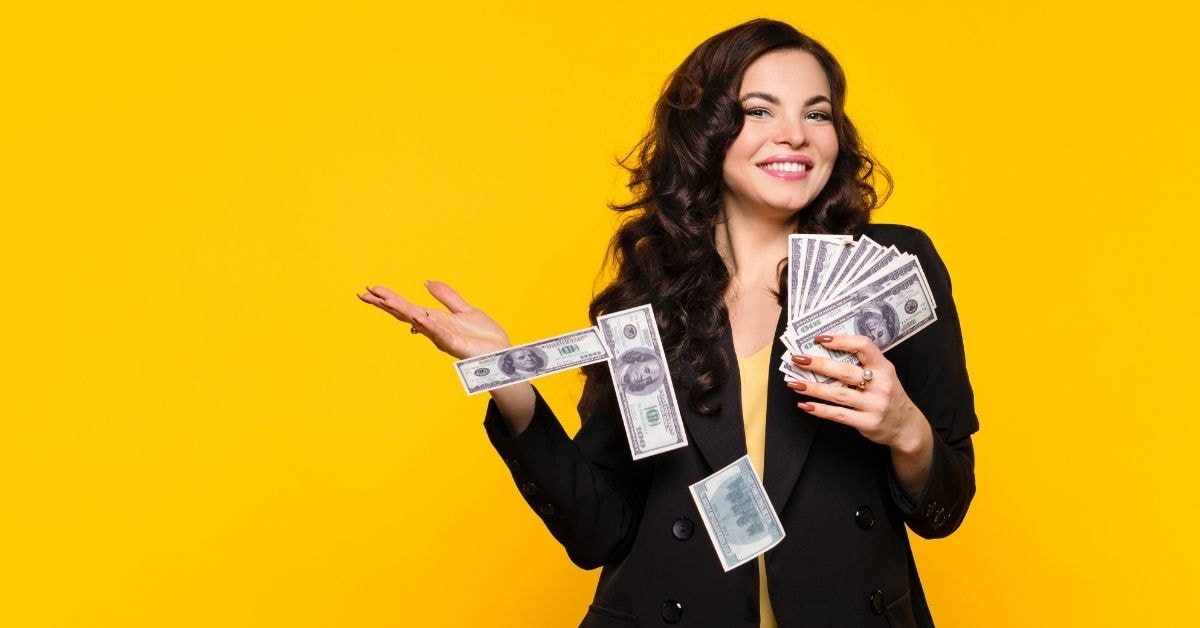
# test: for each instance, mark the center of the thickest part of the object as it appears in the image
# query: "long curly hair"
(664, 251)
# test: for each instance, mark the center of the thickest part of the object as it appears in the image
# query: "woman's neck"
(752, 247)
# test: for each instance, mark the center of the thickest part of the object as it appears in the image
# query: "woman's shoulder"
(898, 235)
(905, 238)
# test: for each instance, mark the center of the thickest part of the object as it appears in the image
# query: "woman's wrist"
(915, 436)
(516, 404)
(912, 451)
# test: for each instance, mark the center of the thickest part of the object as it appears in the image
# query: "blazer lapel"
(790, 431)
(721, 439)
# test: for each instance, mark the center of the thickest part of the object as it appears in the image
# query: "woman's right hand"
(461, 330)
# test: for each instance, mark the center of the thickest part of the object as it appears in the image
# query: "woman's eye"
(757, 112)
(820, 116)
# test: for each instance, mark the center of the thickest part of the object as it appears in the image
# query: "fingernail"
(427, 282)
(802, 360)
(798, 386)
(823, 339)
(806, 406)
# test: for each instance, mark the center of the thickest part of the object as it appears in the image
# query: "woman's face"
(785, 152)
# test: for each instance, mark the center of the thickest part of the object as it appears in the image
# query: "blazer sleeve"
(588, 491)
(932, 368)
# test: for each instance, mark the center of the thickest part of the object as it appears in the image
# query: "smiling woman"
(788, 135)
(750, 143)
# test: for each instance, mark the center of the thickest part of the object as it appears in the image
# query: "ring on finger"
(413, 329)
(867, 375)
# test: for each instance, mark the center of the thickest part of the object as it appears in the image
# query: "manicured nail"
(802, 360)
(823, 339)
(801, 386)
(427, 282)
(806, 406)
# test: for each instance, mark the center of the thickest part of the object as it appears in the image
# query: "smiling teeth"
(785, 166)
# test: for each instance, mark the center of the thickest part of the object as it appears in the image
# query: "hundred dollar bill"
(888, 318)
(861, 253)
(795, 270)
(801, 251)
(900, 270)
(642, 382)
(737, 513)
(886, 258)
(530, 361)
(821, 265)
(850, 253)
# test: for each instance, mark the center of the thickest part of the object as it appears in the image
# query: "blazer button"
(672, 612)
(682, 529)
(864, 517)
(529, 488)
(877, 603)
(513, 464)
(546, 509)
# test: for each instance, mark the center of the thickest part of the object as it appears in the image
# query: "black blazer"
(845, 560)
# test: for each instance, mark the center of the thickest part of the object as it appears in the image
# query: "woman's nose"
(791, 132)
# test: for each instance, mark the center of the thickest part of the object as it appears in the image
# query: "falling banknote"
(530, 361)
(737, 513)
(642, 382)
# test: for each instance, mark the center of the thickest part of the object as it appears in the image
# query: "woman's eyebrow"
(762, 95)
(775, 101)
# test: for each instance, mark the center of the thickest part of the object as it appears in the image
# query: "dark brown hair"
(665, 250)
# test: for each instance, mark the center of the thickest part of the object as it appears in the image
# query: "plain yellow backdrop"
(200, 425)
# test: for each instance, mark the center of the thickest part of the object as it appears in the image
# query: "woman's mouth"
(786, 166)
(786, 170)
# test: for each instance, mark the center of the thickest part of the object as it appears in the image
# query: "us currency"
(642, 382)
(795, 270)
(802, 247)
(885, 259)
(865, 250)
(888, 318)
(533, 360)
(900, 270)
(850, 254)
(821, 265)
(737, 513)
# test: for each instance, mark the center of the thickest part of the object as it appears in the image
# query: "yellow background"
(200, 425)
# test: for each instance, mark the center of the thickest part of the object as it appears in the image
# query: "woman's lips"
(786, 170)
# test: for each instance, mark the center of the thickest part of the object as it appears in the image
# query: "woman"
(750, 142)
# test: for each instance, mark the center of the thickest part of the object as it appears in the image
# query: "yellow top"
(754, 370)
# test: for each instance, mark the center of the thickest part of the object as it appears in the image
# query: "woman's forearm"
(912, 455)
(516, 404)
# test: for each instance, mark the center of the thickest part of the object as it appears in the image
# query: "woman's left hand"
(872, 402)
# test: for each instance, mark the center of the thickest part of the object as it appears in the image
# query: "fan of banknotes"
(836, 285)
(839, 285)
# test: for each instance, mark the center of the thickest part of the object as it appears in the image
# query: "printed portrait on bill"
(639, 371)
(877, 321)
(523, 360)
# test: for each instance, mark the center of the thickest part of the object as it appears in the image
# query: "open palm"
(460, 330)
